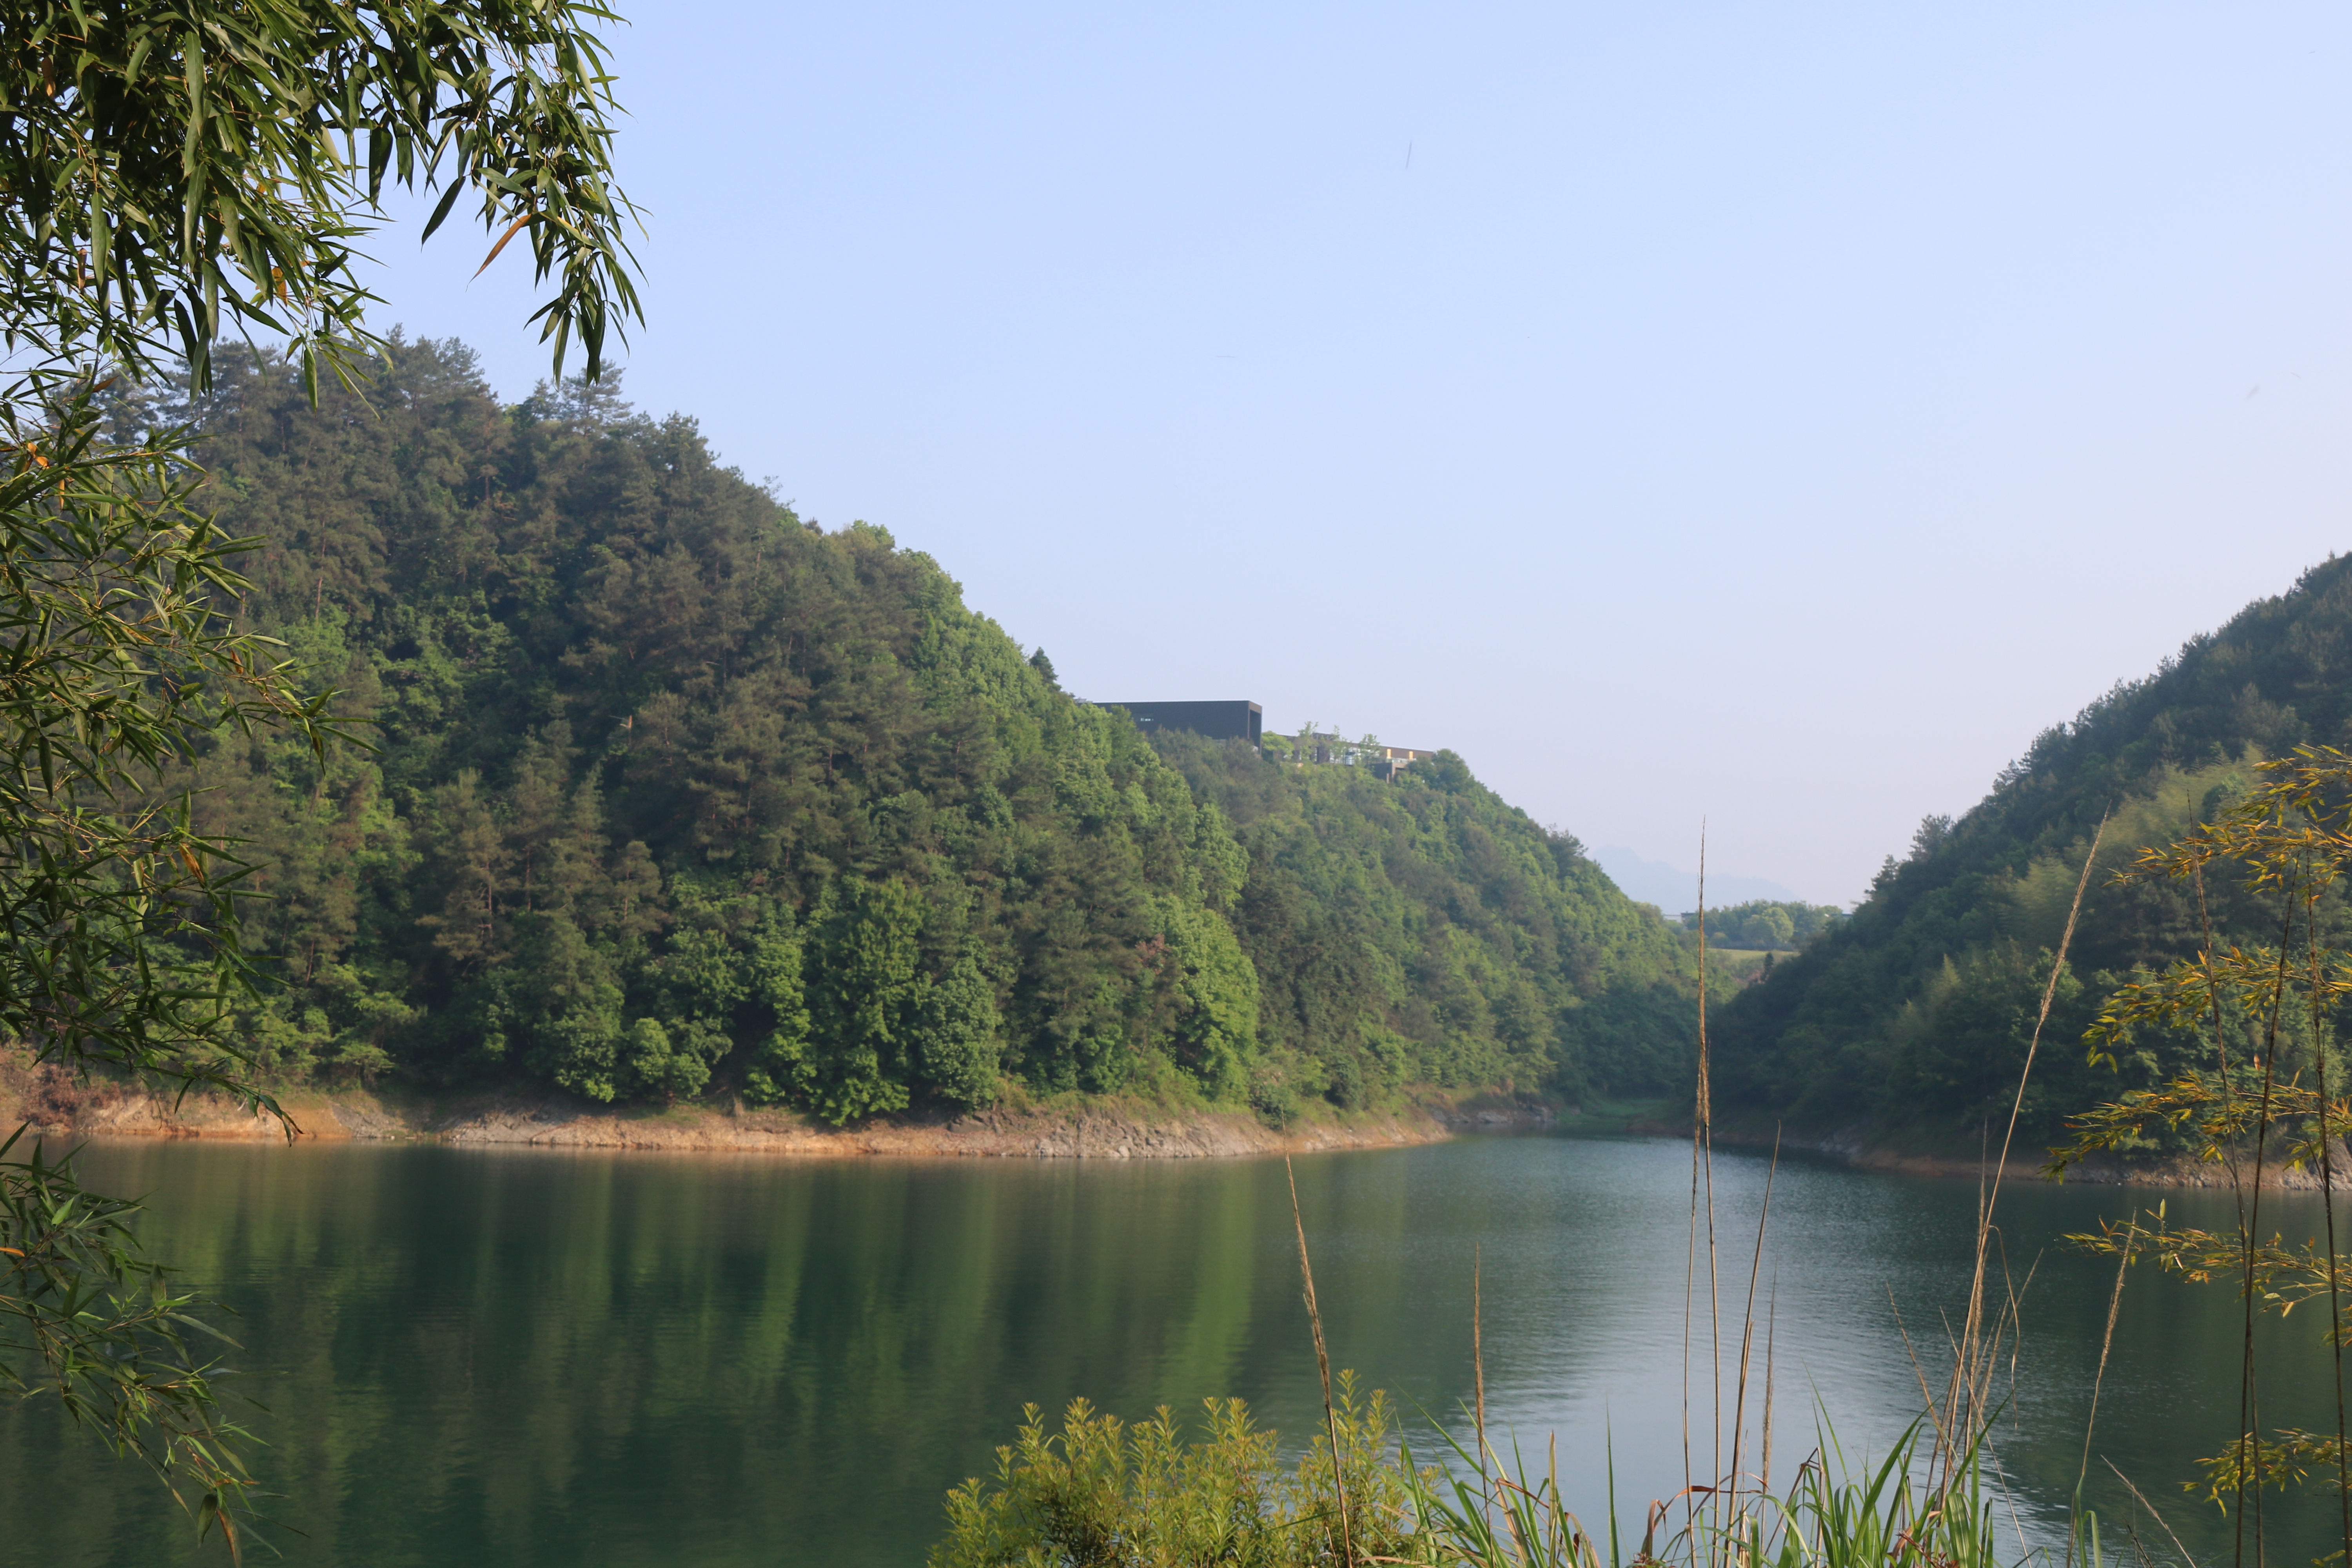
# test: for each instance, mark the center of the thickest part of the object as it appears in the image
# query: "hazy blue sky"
(1773, 413)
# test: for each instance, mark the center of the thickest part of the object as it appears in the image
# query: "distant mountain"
(1917, 1011)
(1674, 890)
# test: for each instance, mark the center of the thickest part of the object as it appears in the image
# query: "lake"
(525, 1357)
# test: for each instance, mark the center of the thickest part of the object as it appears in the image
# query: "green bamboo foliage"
(118, 946)
(119, 943)
(175, 171)
(86, 1318)
(170, 172)
(2266, 1096)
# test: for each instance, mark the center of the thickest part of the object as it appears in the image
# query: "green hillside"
(1915, 1012)
(1425, 930)
(675, 793)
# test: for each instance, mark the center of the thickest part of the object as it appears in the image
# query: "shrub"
(1104, 1494)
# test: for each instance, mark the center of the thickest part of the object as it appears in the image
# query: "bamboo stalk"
(2237, 1186)
(2249, 1388)
(2327, 1207)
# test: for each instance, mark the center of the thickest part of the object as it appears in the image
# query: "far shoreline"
(51, 1107)
(1110, 1128)
(1864, 1148)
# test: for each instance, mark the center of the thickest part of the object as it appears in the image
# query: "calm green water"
(475, 1357)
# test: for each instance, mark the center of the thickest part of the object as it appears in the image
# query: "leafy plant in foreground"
(108, 1332)
(1101, 1494)
(2248, 1108)
(170, 169)
(119, 942)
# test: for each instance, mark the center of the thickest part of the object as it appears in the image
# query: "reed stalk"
(1701, 1161)
(1747, 1338)
(2152, 1513)
(1703, 1185)
(1965, 1399)
(1323, 1365)
(1478, 1356)
(2099, 1382)
(1772, 1339)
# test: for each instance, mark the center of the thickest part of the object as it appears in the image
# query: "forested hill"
(1423, 929)
(674, 794)
(1917, 1011)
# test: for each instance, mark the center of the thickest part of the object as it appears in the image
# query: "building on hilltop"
(1386, 762)
(1217, 721)
(1334, 749)
(1246, 721)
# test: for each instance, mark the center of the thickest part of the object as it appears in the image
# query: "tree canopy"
(675, 793)
(1420, 930)
(1774, 924)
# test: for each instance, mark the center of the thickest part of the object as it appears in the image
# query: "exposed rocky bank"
(57, 1108)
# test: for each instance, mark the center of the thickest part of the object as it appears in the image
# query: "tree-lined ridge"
(674, 792)
(1912, 1017)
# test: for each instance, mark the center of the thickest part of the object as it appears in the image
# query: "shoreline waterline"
(1111, 1129)
(1107, 1129)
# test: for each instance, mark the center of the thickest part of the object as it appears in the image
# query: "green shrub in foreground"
(1102, 1494)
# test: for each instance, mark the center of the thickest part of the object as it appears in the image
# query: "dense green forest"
(668, 792)
(1420, 930)
(1917, 1010)
(1776, 925)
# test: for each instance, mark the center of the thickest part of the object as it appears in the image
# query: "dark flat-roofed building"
(1217, 721)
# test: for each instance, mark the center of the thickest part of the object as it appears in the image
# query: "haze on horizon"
(1772, 416)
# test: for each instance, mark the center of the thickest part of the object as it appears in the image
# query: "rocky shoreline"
(54, 1106)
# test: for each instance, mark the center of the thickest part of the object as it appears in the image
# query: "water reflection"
(528, 1358)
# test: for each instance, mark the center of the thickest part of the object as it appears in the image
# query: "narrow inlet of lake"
(599, 1361)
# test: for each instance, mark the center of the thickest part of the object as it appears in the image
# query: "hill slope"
(674, 792)
(1425, 930)
(1916, 1011)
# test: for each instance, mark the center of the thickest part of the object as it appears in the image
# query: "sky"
(1765, 419)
